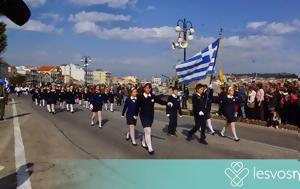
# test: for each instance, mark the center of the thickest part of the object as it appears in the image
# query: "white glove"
(170, 104)
(134, 117)
(91, 106)
(122, 116)
(210, 86)
(201, 113)
(180, 115)
(168, 115)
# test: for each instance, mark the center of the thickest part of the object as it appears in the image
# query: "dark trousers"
(184, 102)
(200, 122)
(172, 123)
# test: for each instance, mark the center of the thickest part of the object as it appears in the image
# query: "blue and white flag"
(198, 66)
(7, 86)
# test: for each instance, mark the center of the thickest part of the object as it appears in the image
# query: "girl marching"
(96, 106)
(130, 108)
(51, 98)
(85, 97)
(230, 104)
(70, 99)
(145, 108)
(111, 98)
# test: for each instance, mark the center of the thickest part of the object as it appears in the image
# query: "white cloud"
(53, 16)
(256, 25)
(35, 3)
(275, 28)
(33, 25)
(132, 33)
(110, 3)
(97, 17)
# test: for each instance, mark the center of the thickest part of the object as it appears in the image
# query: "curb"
(255, 122)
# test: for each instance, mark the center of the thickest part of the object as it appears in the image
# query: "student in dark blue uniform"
(111, 98)
(130, 108)
(61, 97)
(35, 96)
(229, 112)
(200, 114)
(172, 109)
(85, 97)
(51, 98)
(209, 95)
(145, 108)
(96, 106)
(70, 99)
(105, 98)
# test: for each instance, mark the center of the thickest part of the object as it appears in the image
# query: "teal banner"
(180, 174)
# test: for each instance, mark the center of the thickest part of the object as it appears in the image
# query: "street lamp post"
(185, 32)
(86, 60)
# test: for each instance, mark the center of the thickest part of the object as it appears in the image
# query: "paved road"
(50, 139)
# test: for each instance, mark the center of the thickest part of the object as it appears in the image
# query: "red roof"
(46, 68)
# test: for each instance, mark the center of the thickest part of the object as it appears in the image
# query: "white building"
(102, 77)
(157, 80)
(73, 71)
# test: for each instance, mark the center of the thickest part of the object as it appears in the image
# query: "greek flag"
(198, 66)
(7, 86)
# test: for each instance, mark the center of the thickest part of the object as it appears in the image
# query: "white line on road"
(23, 180)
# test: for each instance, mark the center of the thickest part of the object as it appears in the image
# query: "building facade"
(102, 77)
(72, 73)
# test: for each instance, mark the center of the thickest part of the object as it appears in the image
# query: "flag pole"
(212, 74)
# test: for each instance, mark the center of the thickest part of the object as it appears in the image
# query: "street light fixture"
(86, 60)
(185, 32)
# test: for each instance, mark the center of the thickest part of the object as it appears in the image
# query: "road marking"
(1, 167)
(23, 179)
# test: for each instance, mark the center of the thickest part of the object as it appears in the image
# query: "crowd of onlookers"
(275, 103)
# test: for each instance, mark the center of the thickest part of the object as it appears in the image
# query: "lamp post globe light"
(185, 32)
(86, 60)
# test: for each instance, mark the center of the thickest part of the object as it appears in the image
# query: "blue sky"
(133, 36)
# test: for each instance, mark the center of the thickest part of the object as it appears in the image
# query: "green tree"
(17, 79)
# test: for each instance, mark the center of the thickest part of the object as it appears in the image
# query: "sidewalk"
(214, 109)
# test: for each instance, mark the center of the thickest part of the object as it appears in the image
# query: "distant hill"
(268, 75)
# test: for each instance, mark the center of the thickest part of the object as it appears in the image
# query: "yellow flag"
(221, 76)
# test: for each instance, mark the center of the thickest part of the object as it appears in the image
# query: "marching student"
(61, 97)
(70, 99)
(51, 98)
(111, 98)
(145, 108)
(35, 96)
(96, 106)
(85, 96)
(172, 109)
(79, 96)
(209, 95)
(105, 98)
(130, 108)
(230, 104)
(43, 93)
(200, 114)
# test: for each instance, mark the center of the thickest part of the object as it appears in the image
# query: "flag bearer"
(130, 108)
(200, 114)
(172, 109)
(145, 108)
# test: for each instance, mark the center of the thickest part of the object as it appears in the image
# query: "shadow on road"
(19, 115)
(11, 182)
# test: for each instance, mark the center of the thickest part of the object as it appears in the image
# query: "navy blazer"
(130, 107)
